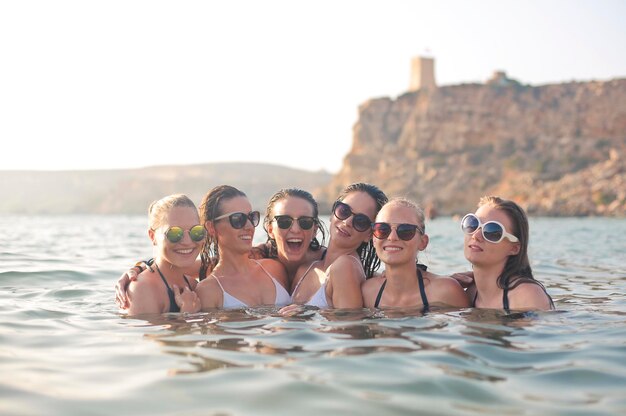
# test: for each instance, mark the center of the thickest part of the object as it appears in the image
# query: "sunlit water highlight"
(65, 349)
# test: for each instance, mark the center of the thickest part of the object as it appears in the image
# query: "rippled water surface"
(64, 349)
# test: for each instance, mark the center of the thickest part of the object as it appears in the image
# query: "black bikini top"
(420, 282)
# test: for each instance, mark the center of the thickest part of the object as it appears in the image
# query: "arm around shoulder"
(143, 297)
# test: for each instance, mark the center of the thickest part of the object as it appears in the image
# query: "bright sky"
(123, 83)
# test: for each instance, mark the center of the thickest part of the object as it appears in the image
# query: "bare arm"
(210, 294)
(529, 296)
(144, 299)
(345, 284)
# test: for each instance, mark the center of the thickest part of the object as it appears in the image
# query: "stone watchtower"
(422, 73)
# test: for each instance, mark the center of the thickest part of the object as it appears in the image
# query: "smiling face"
(229, 238)
(292, 244)
(184, 252)
(342, 232)
(483, 253)
(393, 250)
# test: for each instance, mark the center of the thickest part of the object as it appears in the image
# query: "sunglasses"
(285, 222)
(238, 219)
(175, 234)
(360, 222)
(492, 231)
(405, 232)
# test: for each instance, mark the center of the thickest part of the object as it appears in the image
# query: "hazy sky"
(114, 84)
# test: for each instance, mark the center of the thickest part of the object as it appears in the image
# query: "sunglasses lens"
(255, 218)
(238, 220)
(492, 232)
(360, 222)
(470, 224)
(342, 211)
(381, 230)
(174, 234)
(406, 232)
(284, 221)
(197, 233)
(306, 223)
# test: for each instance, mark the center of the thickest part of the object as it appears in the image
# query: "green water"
(64, 349)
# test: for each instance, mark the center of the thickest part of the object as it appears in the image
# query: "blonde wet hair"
(158, 210)
(407, 203)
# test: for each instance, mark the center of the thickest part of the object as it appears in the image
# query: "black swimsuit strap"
(505, 299)
(170, 293)
(380, 294)
(420, 281)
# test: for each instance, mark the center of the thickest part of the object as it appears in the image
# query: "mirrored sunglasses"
(492, 231)
(176, 234)
(405, 232)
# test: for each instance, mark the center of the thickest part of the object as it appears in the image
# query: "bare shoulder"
(370, 289)
(445, 289)
(275, 268)
(146, 283)
(346, 268)
(209, 293)
(529, 296)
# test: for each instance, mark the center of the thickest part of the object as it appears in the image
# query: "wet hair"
(517, 269)
(407, 203)
(209, 210)
(158, 210)
(269, 217)
(366, 251)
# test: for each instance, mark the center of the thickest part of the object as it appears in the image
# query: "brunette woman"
(496, 244)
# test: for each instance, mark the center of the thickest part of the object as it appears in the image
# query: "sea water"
(65, 348)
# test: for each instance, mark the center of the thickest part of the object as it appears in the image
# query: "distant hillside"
(130, 191)
(556, 149)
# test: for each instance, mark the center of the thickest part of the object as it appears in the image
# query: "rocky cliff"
(556, 149)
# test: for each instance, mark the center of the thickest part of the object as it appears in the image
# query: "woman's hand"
(291, 310)
(121, 288)
(187, 300)
(465, 279)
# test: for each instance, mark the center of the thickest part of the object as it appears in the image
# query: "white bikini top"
(230, 302)
(319, 298)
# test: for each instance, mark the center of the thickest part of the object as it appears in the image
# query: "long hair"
(367, 253)
(517, 269)
(269, 216)
(209, 210)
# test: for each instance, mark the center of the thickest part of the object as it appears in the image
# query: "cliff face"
(556, 149)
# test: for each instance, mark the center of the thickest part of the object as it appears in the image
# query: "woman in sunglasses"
(177, 236)
(236, 281)
(335, 281)
(399, 236)
(496, 244)
(292, 222)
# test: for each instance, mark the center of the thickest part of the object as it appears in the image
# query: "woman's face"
(342, 232)
(393, 250)
(184, 252)
(292, 244)
(228, 237)
(483, 253)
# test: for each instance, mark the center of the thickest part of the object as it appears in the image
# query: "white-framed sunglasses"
(492, 231)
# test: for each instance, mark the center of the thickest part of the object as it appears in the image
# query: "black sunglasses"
(175, 234)
(285, 222)
(405, 232)
(238, 219)
(360, 222)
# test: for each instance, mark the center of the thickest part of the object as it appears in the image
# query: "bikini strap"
(380, 294)
(170, 293)
(505, 298)
(264, 269)
(295, 289)
(420, 281)
(474, 300)
(218, 282)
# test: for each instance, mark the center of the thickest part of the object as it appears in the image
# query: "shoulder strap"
(380, 294)
(218, 281)
(295, 289)
(505, 298)
(170, 293)
(420, 281)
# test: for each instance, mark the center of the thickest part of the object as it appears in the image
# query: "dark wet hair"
(366, 251)
(269, 217)
(517, 269)
(210, 209)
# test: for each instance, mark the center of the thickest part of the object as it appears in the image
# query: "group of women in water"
(293, 268)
